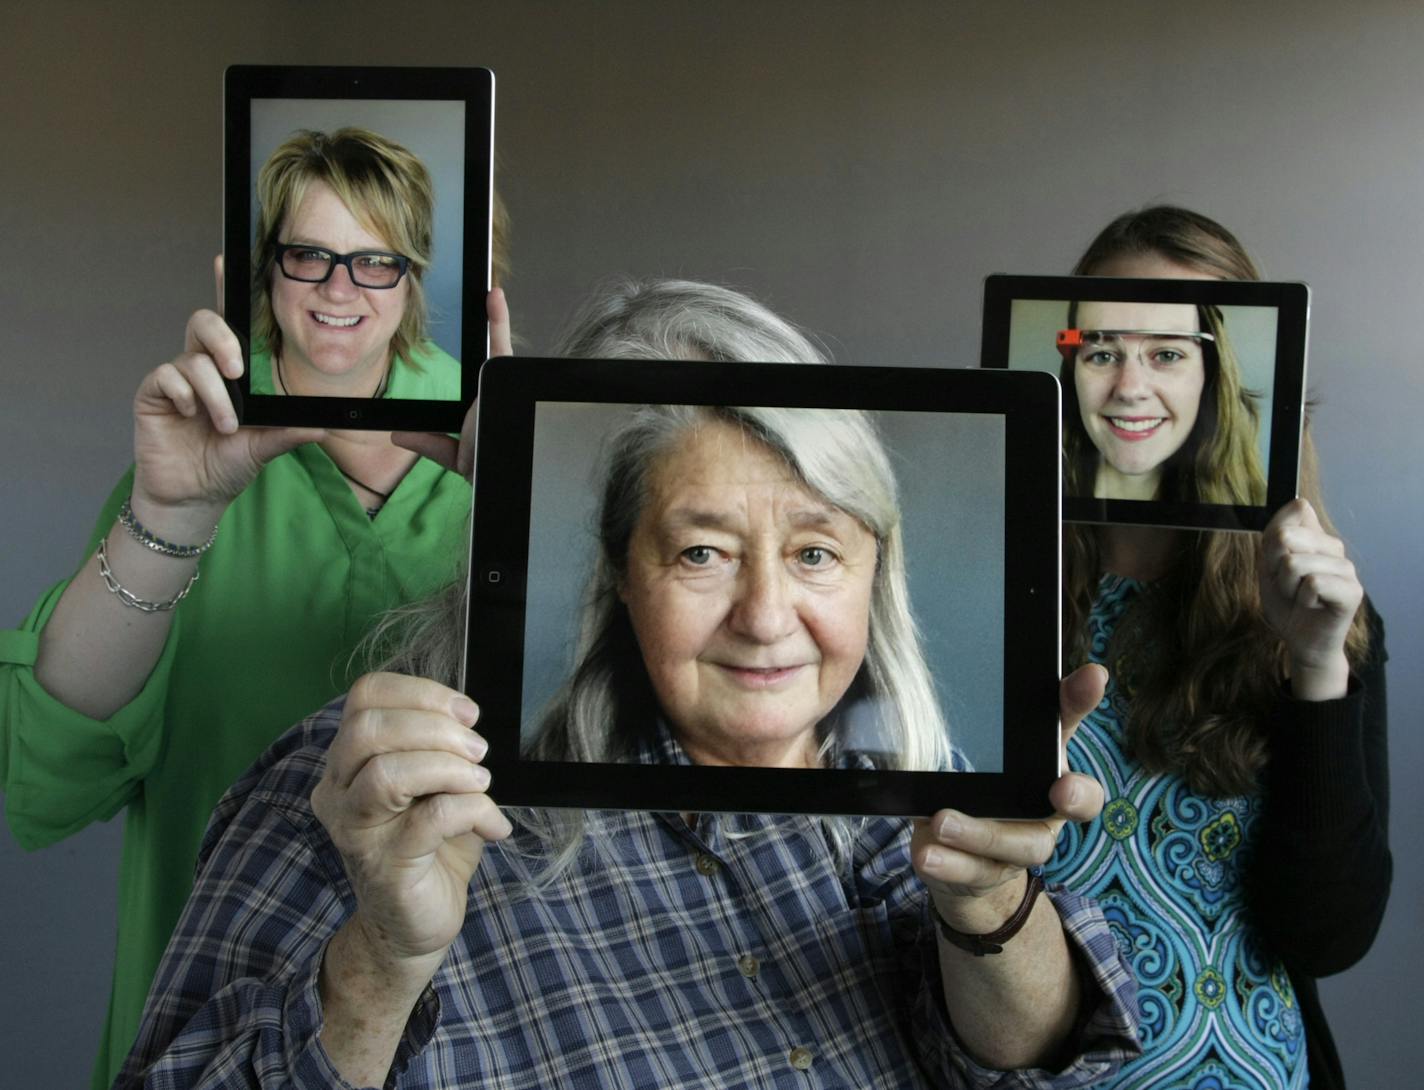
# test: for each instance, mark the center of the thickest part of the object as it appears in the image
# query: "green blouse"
(295, 578)
(438, 378)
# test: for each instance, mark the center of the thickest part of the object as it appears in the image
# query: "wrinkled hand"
(459, 456)
(974, 867)
(189, 452)
(403, 799)
(1309, 594)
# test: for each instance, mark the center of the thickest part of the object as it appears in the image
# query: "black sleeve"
(1321, 876)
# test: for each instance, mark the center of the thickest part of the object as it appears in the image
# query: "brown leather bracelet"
(992, 942)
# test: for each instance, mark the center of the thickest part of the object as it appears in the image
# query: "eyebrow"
(700, 519)
(307, 240)
(1197, 336)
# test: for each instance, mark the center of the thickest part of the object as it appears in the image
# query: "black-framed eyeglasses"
(367, 268)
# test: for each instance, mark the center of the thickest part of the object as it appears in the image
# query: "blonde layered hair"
(1202, 693)
(385, 187)
(389, 192)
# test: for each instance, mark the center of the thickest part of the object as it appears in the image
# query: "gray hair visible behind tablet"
(624, 319)
(681, 320)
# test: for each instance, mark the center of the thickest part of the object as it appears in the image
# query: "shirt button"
(748, 966)
(801, 1059)
(707, 865)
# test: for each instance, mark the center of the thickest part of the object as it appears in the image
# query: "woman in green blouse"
(113, 696)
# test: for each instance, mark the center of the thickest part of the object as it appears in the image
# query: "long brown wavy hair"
(1209, 665)
(1218, 462)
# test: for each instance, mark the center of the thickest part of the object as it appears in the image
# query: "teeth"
(1136, 425)
(327, 319)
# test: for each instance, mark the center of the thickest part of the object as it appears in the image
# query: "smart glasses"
(1072, 342)
(367, 268)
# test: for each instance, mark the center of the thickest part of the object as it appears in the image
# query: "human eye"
(1098, 357)
(309, 255)
(699, 556)
(376, 261)
(1174, 350)
(817, 560)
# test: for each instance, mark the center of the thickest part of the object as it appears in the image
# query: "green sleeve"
(60, 770)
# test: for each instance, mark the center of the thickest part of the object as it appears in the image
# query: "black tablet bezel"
(1291, 301)
(472, 86)
(510, 390)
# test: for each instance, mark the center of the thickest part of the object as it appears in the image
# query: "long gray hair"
(603, 711)
(681, 319)
(625, 318)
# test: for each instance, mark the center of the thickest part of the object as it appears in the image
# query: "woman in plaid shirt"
(366, 915)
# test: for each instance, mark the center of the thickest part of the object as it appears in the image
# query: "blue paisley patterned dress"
(1167, 866)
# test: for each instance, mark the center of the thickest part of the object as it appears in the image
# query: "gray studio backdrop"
(950, 471)
(434, 132)
(859, 167)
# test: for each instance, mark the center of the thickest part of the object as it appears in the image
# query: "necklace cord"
(374, 491)
(380, 392)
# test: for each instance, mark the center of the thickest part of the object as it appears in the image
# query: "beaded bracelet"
(148, 538)
(128, 597)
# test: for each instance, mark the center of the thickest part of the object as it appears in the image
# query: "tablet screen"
(821, 602)
(366, 276)
(1181, 399)
(953, 548)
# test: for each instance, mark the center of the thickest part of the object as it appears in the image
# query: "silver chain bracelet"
(128, 597)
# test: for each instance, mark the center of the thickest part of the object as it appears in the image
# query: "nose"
(764, 609)
(339, 287)
(1131, 384)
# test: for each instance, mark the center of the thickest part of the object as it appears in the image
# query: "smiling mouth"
(1135, 427)
(761, 677)
(334, 322)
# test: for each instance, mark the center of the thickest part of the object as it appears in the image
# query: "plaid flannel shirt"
(730, 954)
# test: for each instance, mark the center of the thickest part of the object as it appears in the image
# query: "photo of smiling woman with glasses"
(1243, 851)
(344, 239)
(1154, 407)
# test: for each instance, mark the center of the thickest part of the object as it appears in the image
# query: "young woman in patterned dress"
(1243, 849)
